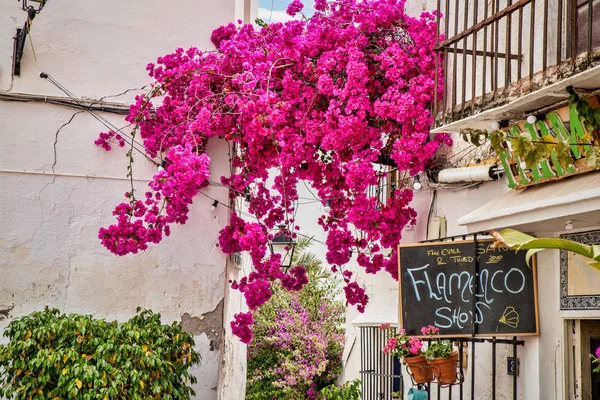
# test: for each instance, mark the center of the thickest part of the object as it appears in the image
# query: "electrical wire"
(97, 116)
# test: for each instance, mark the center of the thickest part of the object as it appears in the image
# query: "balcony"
(503, 60)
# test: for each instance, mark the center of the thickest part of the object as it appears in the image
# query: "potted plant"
(411, 350)
(440, 354)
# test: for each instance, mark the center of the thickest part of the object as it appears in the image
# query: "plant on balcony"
(548, 148)
(316, 100)
(56, 356)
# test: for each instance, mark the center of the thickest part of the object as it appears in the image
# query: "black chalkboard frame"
(533, 262)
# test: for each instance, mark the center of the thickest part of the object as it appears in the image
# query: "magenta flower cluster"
(319, 100)
(106, 138)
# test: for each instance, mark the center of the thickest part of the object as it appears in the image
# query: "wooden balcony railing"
(497, 50)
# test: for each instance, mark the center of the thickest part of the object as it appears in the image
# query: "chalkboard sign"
(467, 288)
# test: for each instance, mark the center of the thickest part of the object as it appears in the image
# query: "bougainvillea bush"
(298, 341)
(57, 356)
(317, 100)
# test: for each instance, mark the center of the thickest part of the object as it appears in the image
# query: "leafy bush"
(298, 338)
(56, 356)
(348, 391)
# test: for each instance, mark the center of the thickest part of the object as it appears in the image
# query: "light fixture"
(494, 126)
(214, 205)
(568, 225)
(327, 206)
(417, 183)
(283, 245)
(531, 119)
(247, 196)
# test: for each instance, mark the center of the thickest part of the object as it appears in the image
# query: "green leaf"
(496, 141)
(521, 241)
(592, 157)
(521, 145)
(563, 155)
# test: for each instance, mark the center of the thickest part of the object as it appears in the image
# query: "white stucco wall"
(51, 212)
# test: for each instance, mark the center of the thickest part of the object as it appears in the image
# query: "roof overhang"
(542, 208)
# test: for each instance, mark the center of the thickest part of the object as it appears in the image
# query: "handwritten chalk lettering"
(484, 248)
(447, 317)
(443, 286)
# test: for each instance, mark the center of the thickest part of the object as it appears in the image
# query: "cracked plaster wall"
(49, 250)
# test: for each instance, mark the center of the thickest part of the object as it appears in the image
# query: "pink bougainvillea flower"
(318, 100)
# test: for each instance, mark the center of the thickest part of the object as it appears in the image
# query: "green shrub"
(56, 356)
(348, 391)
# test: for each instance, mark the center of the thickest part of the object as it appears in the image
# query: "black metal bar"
(559, 31)
(472, 369)
(480, 53)
(515, 392)
(454, 63)
(507, 76)
(545, 41)
(494, 369)
(484, 54)
(437, 62)
(589, 33)
(531, 41)
(464, 61)
(446, 29)
(462, 236)
(460, 361)
(573, 27)
(496, 45)
(494, 18)
(520, 45)
(474, 59)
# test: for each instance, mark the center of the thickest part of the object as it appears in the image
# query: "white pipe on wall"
(480, 173)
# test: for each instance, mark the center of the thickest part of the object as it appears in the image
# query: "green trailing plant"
(348, 391)
(516, 240)
(57, 356)
(533, 151)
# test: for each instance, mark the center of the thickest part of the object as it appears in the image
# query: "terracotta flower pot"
(445, 369)
(419, 369)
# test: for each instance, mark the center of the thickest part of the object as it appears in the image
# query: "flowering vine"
(318, 100)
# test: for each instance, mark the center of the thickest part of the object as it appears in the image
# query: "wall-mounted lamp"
(327, 207)
(214, 205)
(283, 244)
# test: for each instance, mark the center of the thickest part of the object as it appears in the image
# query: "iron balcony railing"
(493, 51)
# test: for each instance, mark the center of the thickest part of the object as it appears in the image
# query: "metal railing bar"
(447, 28)
(498, 15)
(507, 75)
(464, 60)
(559, 18)
(474, 59)
(454, 59)
(573, 28)
(520, 45)
(515, 392)
(494, 369)
(531, 38)
(590, 31)
(481, 53)
(496, 46)
(484, 54)
(545, 41)
(437, 60)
